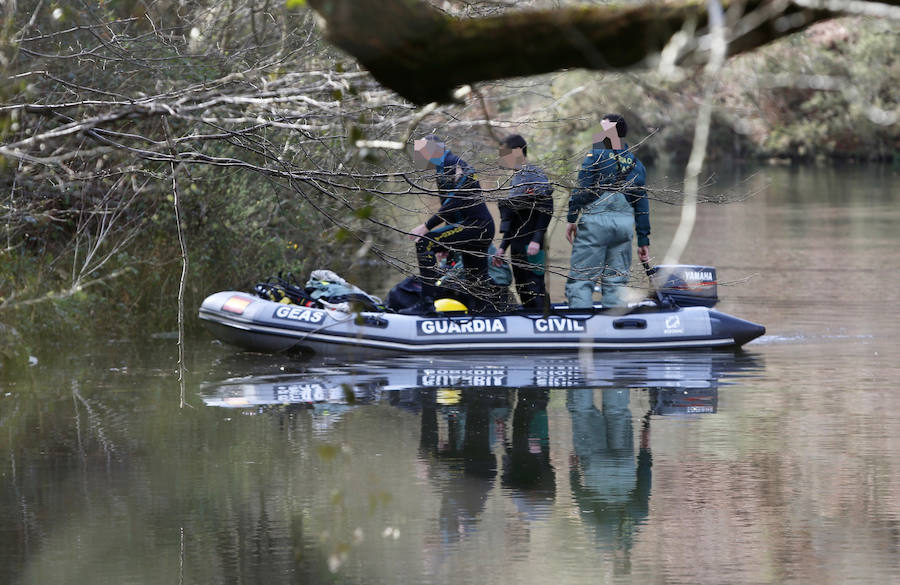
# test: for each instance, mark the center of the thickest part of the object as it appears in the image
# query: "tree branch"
(423, 53)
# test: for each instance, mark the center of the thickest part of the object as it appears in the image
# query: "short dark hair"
(621, 125)
(515, 141)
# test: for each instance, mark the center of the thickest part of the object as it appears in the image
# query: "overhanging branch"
(423, 54)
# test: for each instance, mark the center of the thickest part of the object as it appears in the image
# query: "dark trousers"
(530, 283)
(471, 242)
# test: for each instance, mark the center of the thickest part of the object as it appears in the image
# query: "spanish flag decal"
(236, 304)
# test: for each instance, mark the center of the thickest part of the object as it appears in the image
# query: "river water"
(778, 464)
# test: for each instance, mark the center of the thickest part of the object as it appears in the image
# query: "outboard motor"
(685, 285)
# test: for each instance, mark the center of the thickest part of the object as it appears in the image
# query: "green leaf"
(292, 4)
(364, 212)
(342, 235)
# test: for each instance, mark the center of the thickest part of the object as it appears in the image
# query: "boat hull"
(260, 325)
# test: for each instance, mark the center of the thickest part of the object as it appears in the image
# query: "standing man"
(609, 205)
(468, 227)
(524, 216)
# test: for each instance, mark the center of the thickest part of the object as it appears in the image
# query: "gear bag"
(325, 285)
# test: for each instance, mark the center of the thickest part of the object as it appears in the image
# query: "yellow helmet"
(449, 305)
(448, 396)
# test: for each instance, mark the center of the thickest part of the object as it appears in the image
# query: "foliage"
(242, 103)
(824, 93)
(274, 144)
(830, 92)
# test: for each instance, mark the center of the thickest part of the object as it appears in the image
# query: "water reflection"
(528, 473)
(611, 485)
(380, 471)
(486, 431)
(369, 382)
(456, 447)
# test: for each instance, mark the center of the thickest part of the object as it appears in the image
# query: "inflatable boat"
(680, 317)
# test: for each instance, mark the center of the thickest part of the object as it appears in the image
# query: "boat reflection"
(489, 416)
(682, 384)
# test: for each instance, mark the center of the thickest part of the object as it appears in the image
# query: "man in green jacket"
(608, 207)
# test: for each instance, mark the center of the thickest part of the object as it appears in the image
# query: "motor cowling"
(685, 285)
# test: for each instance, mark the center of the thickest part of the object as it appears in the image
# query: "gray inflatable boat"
(668, 322)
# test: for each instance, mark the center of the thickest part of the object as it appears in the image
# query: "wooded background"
(147, 146)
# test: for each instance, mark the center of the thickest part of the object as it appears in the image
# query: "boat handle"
(629, 324)
(371, 321)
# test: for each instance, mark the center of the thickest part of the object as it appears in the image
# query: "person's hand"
(533, 248)
(571, 230)
(417, 232)
(644, 253)
(497, 259)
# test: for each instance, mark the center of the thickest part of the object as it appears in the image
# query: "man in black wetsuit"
(468, 227)
(524, 216)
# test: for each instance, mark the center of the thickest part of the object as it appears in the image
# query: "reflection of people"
(610, 485)
(468, 226)
(456, 442)
(612, 204)
(526, 465)
(524, 217)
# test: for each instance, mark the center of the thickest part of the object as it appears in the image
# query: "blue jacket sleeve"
(582, 195)
(637, 197)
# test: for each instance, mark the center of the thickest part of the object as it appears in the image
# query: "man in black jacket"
(468, 227)
(524, 217)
